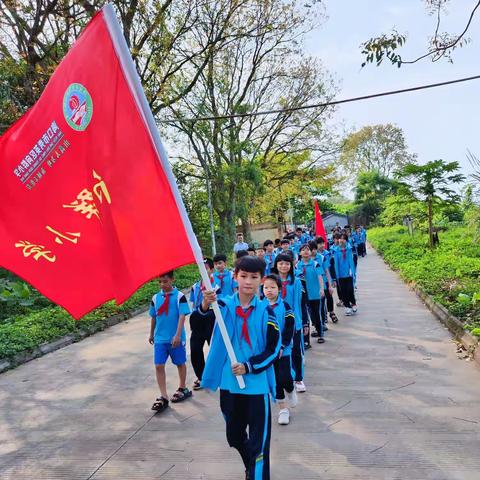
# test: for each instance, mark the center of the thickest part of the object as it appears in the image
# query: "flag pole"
(136, 88)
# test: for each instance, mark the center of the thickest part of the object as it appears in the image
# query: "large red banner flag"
(319, 227)
(89, 208)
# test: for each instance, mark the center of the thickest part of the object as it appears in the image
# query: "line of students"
(267, 303)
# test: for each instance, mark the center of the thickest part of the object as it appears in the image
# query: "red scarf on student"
(244, 315)
(164, 306)
(284, 288)
(221, 276)
(344, 253)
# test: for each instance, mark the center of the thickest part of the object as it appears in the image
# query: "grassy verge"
(450, 273)
(25, 332)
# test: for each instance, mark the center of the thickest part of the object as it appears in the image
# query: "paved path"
(387, 399)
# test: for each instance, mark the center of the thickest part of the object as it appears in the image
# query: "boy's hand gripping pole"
(221, 323)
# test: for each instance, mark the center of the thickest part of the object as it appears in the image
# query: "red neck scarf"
(284, 288)
(164, 306)
(344, 253)
(244, 315)
(221, 276)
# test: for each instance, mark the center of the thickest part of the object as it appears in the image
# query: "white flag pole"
(136, 88)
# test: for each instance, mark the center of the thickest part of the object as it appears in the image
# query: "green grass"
(25, 332)
(450, 273)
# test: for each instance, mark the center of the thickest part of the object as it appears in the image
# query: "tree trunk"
(430, 222)
(227, 233)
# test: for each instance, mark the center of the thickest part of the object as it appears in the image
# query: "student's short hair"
(337, 236)
(251, 248)
(251, 265)
(313, 244)
(344, 236)
(275, 278)
(283, 241)
(277, 241)
(169, 274)
(267, 242)
(260, 248)
(303, 246)
(241, 253)
(220, 257)
(320, 240)
(239, 233)
(208, 261)
(299, 229)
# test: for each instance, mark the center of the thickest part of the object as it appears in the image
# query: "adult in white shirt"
(240, 245)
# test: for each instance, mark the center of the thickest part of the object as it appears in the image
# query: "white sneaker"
(300, 387)
(292, 398)
(284, 417)
(348, 312)
(354, 309)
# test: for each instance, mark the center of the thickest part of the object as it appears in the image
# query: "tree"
(375, 148)
(167, 40)
(371, 190)
(441, 44)
(265, 70)
(430, 183)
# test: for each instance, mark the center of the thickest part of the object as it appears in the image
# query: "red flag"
(319, 228)
(89, 209)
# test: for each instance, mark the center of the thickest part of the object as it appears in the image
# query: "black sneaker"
(314, 334)
(320, 340)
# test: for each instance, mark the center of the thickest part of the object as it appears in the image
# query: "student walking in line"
(254, 332)
(345, 271)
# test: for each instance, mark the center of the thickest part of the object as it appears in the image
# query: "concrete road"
(387, 399)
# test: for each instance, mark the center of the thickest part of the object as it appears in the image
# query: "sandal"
(180, 395)
(334, 318)
(197, 385)
(160, 404)
(320, 340)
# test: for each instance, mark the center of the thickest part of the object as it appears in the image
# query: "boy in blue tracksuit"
(293, 293)
(222, 277)
(269, 255)
(272, 286)
(361, 238)
(168, 310)
(345, 272)
(253, 330)
(324, 256)
(312, 273)
(200, 327)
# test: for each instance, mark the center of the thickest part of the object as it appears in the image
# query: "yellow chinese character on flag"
(84, 204)
(38, 251)
(72, 238)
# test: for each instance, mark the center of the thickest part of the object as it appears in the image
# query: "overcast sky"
(438, 123)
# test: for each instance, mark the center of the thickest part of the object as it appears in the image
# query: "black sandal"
(180, 395)
(160, 404)
(320, 340)
(334, 318)
(197, 385)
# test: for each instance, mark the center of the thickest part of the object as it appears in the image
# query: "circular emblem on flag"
(77, 107)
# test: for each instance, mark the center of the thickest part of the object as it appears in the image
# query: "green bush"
(25, 332)
(450, 273)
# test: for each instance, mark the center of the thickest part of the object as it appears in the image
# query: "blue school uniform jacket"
(269, 260)
(286, 323)
(312, 271)
(225, 287)
(258, 359)
(293, 297)
(344, 266)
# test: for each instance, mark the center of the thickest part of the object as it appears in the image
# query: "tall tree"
(431, 183)
(375, 148)
(265, 70)
(167, 40)
(371, 190)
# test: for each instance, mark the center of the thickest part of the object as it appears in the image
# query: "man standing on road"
(240, 245)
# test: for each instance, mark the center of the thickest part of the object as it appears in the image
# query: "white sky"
(438, 123)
